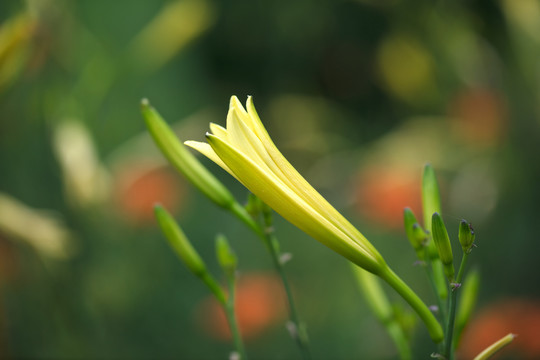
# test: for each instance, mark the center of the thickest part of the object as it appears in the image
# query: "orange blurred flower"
(518, 316)
(479, 116)
(138, 187)
(260, 304)
(383, 192)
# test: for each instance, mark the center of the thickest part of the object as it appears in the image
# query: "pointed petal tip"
(234, 100)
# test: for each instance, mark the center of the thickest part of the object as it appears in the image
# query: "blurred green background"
(357, 94)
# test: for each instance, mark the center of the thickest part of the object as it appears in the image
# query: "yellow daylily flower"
(246, 151)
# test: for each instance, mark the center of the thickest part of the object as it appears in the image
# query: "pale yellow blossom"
(246, 151)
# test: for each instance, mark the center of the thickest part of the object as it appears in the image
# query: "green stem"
(267, 236)
(214, 287)
(442, 307)
(240, 212)
(300, 335)
(396, 333)
(433, 326)
(431, 277)
(448, 349)
(228, 306)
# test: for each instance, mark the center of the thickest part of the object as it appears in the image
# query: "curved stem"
(396, 333)
(240, 212)
(299, 334)
(433, 326)
(267, 236)
(214, 287)
(431, 277)
(231, 318)
(448, 350)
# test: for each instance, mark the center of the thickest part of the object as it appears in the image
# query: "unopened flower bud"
(226, 257)
(254, 205)
(179, 242)
(466, 236)
(183, 160)
(442, 242)
(431, 202)
(416, 235)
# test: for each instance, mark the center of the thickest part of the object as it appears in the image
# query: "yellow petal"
(288, 204)
(219, 131)
(207, 151)
(300, 185)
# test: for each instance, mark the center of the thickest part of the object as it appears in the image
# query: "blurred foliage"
(358, 94)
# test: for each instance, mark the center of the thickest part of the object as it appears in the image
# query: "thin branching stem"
(266, 233)
(448, 349)
(231, 318)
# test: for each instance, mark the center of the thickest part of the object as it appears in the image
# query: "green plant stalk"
(273, 247)
(301, 338)
(228, 306)
(448, 348)
(241, 213)
(271, 243)
(431, 277)
(433, 326)
(468, 297)
(380, 305)
(214, 287)
(396, 333)
(442, 308)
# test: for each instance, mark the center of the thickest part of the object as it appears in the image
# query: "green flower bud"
(183, 160)
(417, 236)
(431, 198)
(226, 257)
(466, 236)
(431, 202)
(442, 242)
(179, 242)
(254, 205)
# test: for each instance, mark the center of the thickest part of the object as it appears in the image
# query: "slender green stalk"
(214, 287)
(240, 212)
(441, 305)
(380, 305)
(396, 333)
(448, 349)
(433, 326)
(431, 277)
(231, 318)
(266, 234)
(273, 246)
